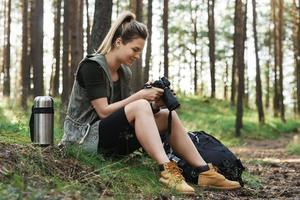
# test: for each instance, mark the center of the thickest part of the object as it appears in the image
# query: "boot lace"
(175, 171)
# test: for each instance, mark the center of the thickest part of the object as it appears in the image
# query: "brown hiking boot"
(171, 177)
(212, 179)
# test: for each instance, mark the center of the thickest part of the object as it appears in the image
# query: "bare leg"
(140, 114)
(179, 140)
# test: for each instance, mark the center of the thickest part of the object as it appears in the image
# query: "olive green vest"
(81, 125)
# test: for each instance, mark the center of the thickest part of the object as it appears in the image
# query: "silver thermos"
(42, 121)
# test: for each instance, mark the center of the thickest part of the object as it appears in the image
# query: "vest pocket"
(74, 131)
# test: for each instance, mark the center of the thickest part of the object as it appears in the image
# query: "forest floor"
(279, 172)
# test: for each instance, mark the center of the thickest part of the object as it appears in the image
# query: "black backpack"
(212, 151)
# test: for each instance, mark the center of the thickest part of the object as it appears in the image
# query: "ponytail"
(125, 27)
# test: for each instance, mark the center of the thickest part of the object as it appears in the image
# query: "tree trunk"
(101, 23)
(259, 103)
(268, 69)
(239, 60)
(194, 53)
(298, 62)
(226, 80)
(276, 103)
(66, 57)
(6, 83)
(57, 38)
(37, 46)
(234, 65)
(246, 87)
(88, 26)
(25, 68)
(76, 40)
(149, 40)
(166, 35)
(281, 97)
(137, 75)
(211, 37)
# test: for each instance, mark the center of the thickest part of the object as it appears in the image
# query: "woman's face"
(128, 53)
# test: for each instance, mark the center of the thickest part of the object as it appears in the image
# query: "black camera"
(168, 98)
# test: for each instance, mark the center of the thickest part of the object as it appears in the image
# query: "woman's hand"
(150, 94)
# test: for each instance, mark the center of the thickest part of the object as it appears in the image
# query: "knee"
(140, 105)
(165, 113)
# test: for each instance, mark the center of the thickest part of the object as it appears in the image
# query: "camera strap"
(169, 131)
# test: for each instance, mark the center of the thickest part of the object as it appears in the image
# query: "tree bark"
(275, 17)
(226, 80)
(66, 51)
(25, 68)
(259, 102)
(88, 26)
(136, 68)
(211, 37)
(101, 23)
(57, 38)
(149, 40)
(298, 62)
(6, 83)
(37, 47)
(234, 65)
(239, 59)
(166, 35)
(76, 40)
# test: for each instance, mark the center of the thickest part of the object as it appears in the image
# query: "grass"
(74, 174)
(218, 118)
(294, 147)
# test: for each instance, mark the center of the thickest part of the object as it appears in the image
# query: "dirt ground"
(267, 159)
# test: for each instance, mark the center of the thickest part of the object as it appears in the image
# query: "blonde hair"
(126, 28)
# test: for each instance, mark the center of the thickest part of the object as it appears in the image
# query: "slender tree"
(277, 11)
(166, 35)
(101, 23)
(298, 61)
(88, 26)
(76, 40)
(149, 40)
(25, 68)
(281, 97)
(56, 45)
(37, 46)
(211, 37)
(66, 52)
(234, 64)
(6, 83)
(225, 79)
(268, 67)
(137, 75)
(239, 61)
(194, 53)
(259, 102)
(276, 105)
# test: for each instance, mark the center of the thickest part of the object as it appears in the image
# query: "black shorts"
(116, 135)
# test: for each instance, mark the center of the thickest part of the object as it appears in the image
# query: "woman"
(103, 116)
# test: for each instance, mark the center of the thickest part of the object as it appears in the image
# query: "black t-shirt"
(93, 79)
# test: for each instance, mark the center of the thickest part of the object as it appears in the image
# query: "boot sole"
(220, 188)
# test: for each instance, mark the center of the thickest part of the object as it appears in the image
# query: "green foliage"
(252, 181)
(218, 118)
(294, 147)
(73, 173)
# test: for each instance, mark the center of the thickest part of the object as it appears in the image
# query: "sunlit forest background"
(245, 52)
(235, 67)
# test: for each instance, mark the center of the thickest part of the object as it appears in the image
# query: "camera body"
(168, 98)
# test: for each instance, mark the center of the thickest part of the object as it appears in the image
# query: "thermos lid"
(43, 102)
